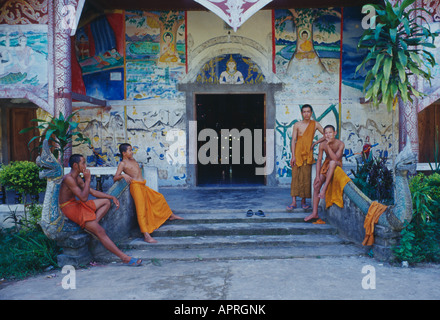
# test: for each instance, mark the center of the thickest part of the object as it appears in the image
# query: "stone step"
(240, 253)
(228, 234)
(233, 241)
(233, 216)
(278, 210)
(241, 228)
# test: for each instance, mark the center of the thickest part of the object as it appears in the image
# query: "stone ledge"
(349, 221)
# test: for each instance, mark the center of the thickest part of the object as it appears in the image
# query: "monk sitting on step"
(87, 213)
(333, 149)
(151, 207)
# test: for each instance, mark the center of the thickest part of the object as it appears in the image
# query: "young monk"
(333, 149)
(302, 156)
(87, 213)
(151, 207)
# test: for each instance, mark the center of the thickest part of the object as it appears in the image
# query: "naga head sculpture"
(51, 167)
(406, 160)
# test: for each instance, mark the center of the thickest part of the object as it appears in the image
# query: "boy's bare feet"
(174, 217)
(148, 238)
(312, 216)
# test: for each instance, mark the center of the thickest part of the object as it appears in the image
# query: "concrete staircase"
(229, 234)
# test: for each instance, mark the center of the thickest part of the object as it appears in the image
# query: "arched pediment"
(239, 47)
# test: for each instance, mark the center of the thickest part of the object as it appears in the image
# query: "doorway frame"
(193, 89)
(261, 96)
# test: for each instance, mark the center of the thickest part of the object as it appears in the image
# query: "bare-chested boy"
(151, 207)
(87, 213)
(333, 149)
(302, 156)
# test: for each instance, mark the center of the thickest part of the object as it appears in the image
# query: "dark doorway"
(19, 119)
(429, 123)
(230, 111)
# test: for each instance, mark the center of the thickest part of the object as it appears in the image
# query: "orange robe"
(301, 171)
(303, 152)
(151, 207)
(78, 211)
(374, 212)
(335, 189)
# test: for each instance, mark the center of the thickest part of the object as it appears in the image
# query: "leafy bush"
(420, 240)
(22, 176)
(374, 179)
(27, 251)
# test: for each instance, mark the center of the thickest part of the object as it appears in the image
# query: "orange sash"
(335, 189)
(374, 212)
(78, 211)
(303, 153)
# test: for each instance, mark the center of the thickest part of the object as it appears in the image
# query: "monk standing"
(87, 213)
(151, 207)
(302, 156)
(333, 149)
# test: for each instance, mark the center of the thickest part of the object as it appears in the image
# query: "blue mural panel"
(106, 84)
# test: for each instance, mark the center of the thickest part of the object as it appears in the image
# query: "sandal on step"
(134, 262)
(260, 213)
(249, 213)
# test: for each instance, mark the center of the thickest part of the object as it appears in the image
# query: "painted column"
(408, 121)
(62, 56)
(408, 126)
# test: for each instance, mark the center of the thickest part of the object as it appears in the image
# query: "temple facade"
(202, 102)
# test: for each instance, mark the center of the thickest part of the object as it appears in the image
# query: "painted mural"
(284, 135)
(153, 117)
(432, 16)
(155, 53)
(230, 69)
(363, 126)
(308, 59)
(430, 88)
(351, 56)
(158, 132)
(99, 63)
(23, 59)
(307, 48)
(155, 132)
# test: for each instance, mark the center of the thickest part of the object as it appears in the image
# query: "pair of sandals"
(259, 213)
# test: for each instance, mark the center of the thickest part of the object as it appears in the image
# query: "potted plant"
(23, 177)
(61, 132)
